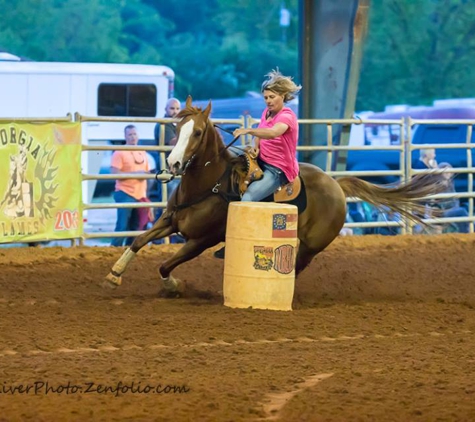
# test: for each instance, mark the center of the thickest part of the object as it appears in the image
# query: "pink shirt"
(281, 152)
(128, 162)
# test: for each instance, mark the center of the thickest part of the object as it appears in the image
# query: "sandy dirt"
(383, 329)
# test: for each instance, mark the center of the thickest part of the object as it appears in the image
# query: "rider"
(275, 139)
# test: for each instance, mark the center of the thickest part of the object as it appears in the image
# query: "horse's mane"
(189, 111)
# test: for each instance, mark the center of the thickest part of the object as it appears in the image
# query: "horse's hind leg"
(304, 257)
(191, 249)
(159, 230)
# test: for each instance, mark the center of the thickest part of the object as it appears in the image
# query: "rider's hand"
(239, 132)
(254, 152)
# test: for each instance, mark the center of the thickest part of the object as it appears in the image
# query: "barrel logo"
(263, 257)
(284, 259)
(284, 225)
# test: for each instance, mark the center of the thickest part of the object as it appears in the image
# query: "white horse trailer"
(54, 89)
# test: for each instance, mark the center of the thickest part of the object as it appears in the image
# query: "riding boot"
(219, 253)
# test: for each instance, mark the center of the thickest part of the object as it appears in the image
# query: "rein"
(188, 163)
(227, 131)
(214, 191)
(220, 152)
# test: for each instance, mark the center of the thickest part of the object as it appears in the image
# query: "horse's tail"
(406, 199)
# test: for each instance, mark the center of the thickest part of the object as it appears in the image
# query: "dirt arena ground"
(383, 329)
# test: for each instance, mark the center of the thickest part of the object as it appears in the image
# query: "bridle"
(190, 160)
(227, 197)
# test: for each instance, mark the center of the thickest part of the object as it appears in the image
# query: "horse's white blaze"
(176, 156)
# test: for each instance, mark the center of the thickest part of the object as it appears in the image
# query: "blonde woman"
(275, 138)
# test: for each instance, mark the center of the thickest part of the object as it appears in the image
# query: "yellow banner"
(40, 181)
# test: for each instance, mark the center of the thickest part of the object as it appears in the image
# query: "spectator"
(426, 160)
(387, 216)
(130, 190)
(172, 109)
(451, 206)
(361, 212)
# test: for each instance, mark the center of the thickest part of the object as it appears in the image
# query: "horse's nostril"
(175, 167)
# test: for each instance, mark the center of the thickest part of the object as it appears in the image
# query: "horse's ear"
(188, 101)
(207, 111)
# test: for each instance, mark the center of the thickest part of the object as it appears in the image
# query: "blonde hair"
(282, 85)
(426, 151)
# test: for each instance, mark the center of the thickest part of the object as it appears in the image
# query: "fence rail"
(405, 171)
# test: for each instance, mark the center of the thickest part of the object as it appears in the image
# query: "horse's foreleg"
(159, 230)
(191, 249)
(114, 278)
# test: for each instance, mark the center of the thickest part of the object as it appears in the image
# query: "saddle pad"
(300, 201)
(288, 192)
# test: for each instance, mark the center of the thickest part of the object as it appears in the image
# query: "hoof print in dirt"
(108, 285)
(167, 294)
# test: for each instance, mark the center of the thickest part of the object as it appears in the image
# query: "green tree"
(254, 43)
(417, 51)
(223, 48)
(144, 32)
(93, 31)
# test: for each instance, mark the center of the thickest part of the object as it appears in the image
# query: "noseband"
(190, 160)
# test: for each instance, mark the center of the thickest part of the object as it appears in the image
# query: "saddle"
(288, 192)
(253, 172)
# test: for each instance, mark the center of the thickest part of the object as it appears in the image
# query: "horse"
(198, 207)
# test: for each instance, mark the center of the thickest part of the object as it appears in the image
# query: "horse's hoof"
(112, 281)
(172, 288)
(170, 284)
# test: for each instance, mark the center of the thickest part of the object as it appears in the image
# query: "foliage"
(418, 51)
(70, 31)
(223, 51)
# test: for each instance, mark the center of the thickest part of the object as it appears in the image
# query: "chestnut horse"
(198, 207)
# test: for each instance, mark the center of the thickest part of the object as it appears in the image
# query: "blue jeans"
(127, 218)
(458, 212)
(260, 189)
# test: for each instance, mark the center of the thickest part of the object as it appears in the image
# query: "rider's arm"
(263, 133)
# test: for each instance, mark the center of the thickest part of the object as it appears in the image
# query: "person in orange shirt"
(129, 190)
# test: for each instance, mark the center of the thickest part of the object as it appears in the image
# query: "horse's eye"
(198, 133)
